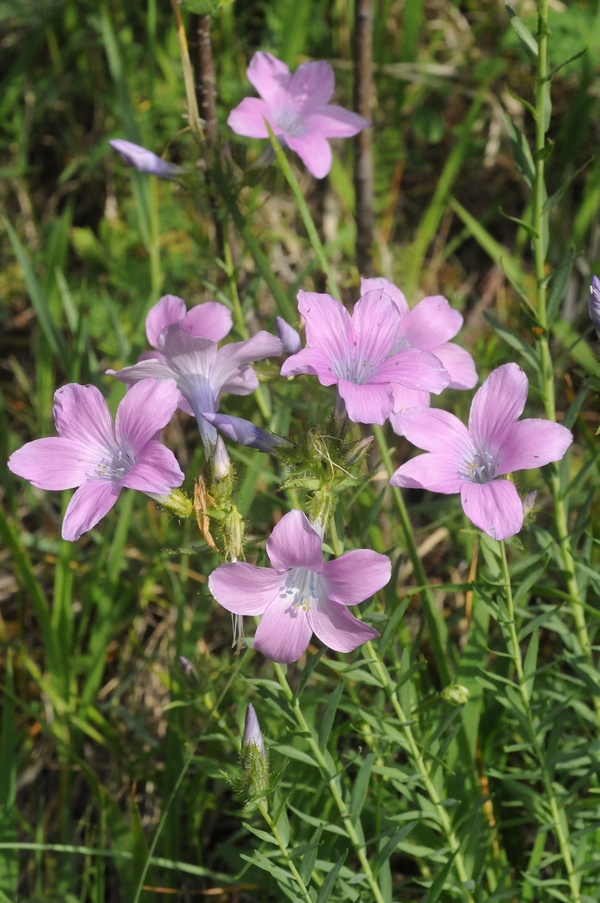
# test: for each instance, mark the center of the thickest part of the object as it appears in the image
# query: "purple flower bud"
(594, 303)
(290, 338)
(144, 160)
(252, 733)
(221, 461)
(244, 432)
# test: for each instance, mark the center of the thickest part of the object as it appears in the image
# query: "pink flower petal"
(290, 338)
(355, 576)
(90, 503)
(493, 507)
(405, 398)
(336, 627)
(170, 309)
(146, 368)
(245, 589)
(284, 632)
(312, 85)
(310, 360)
(270, 76)
(248, 119)
(332, 121)
(237, 355)
(156, 470)
(438, 472)
(369, 285)
(459, 364)
(533, 443)
(294, 543)
(431, 322)
(369, 403)
(146, 409)
(54, 462)
(314, 151)
(376, 322)
(414, 369)
(210, 320)
(328, 324)
(437, 431)
(497, 406)
(81, 413)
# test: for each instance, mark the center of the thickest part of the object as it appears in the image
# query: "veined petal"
(438, 472)
(437, 431)
(497, 405)
(459, 364)
(336, 627)
(245, 589)
(143, 159)
(246, 433)
(369, 285)
(414, 369)
(55, 462)
(234, 357)
(241, 382)
(146, 409)
(148, 368)
(405, 398)
(313, 150)
(248, 119)
(90, 503)
(533, 443)
(270, 76)
(368, 403)
(294, 543)
(284, 632)
(355, 576)
(376, 323)
(170, 309)
(431, 322)
(328, 325)
(290, 338)
(81, 413)
(312, 85)
(310, 360)
(493, 507)
(332, 121)
(156, 470)
(211, 320)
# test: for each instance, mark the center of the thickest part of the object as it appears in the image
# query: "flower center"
(300, 589)
(481, 469)
(115, 466)
(291, 123)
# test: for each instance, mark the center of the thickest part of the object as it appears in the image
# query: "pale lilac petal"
(246, 433)
(328, 325)
(245, 589)
(432, 322)
(252, 733)
(436, 471)
(284, 632)
(336, 627)
(437, 431)
(405, 398)
(248, 119)
(144, 160)
(376, 323)
(90, 503)
(294, 543)
(210, 320)
(289, 337)
(497, 405)
(55, 463)
(237, 355)
(146, 409)
(314, 151)
(332, 121)
(414, 369)
(355, 576)
(533, 443)
(148, 368)
(145, 356)
(81, 413)
(369, 285)
(312, 85)
(241, 382)
(369, 403)
(310, 360)
(270, 76)
(156, 470)
(493, 507)
(170, 309)
(459, 364)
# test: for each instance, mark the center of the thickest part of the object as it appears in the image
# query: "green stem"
(540, 222)
(331, 776)
(557, 812)
(304, 212)
(284, 852)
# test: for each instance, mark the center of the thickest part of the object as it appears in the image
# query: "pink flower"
(428, 327)
(297, 109)
(187, 352)
(469, 460)
(100, 458)
(144, 160)
(300, 594)
(362, 354)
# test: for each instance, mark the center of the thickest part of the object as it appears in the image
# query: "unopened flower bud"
(144, 160)
(177, 502)
(529, 502)
(254, 758)
(594, 303)
(233, 535)
(455, 694)
(243, 431)
(221, 461)
(358, 450)
(290, 338)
